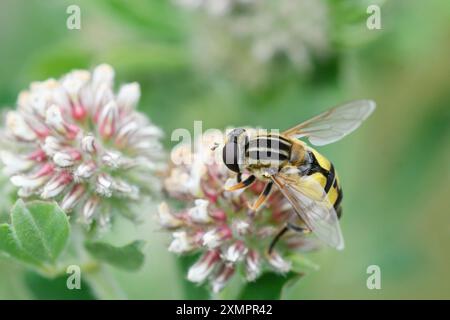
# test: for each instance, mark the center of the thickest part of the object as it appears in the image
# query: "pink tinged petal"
(278, 263)
(78, 111)
(103, 185)
(204, 266)
(108, 120)
(89, 208)
(56, 185)
(55, 121)
(66, 158)
(86, 99)
(102, 96)
(17, 125)
(40, 97)
(37, 155)
(216, 237)
(221, 278)
(14, 164)
(102, 75)
(198, 238)
(71, 199)
(235, 252)
(85, 170)
(213, 196)
(74, 81)
(181, 243)
(38, 127)
(218, 215)
(252, 265)
(39, 102)
(125, 132)
(128, 97)
(34, 180)
(60, 98)
(125, 189)
(166, 218)
(72, 131)
(88, 144)
(199, 213)
(51, 146)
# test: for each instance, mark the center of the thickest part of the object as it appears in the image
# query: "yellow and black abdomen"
(323, 171)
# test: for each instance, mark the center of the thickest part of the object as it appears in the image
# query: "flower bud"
(203, 267)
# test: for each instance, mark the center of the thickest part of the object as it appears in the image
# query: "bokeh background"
(395, 169)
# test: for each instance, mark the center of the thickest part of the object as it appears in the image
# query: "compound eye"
(230, 156)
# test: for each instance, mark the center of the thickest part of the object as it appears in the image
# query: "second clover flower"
(230, 238)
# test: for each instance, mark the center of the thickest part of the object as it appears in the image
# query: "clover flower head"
(215, 7)
(267, 30)
(219, 225)
(78, 142)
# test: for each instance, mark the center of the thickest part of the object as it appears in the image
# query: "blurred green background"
(395, 169)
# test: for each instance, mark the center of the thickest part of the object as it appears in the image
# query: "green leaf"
(128, 257)
(276, 286)
(233, 288)
(44, 288)
(38, 233)
(269, 286)
(288, 285)
(301, 264)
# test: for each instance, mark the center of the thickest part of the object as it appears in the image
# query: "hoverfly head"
(233, 150)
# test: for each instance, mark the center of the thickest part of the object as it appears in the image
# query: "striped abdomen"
(269, 150)
(322, 170)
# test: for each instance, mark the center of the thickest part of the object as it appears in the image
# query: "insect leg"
(243, 184)
(297, 228)
(262, 197)
(288, 226)
(277, 237)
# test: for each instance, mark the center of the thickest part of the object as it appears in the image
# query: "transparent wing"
(333, 124)
(310, 202)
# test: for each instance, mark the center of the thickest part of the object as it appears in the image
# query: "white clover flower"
(213, 7)
(220, 225)
(78, 142)
(261, 32)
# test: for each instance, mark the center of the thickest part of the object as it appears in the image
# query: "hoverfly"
(306, 178)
